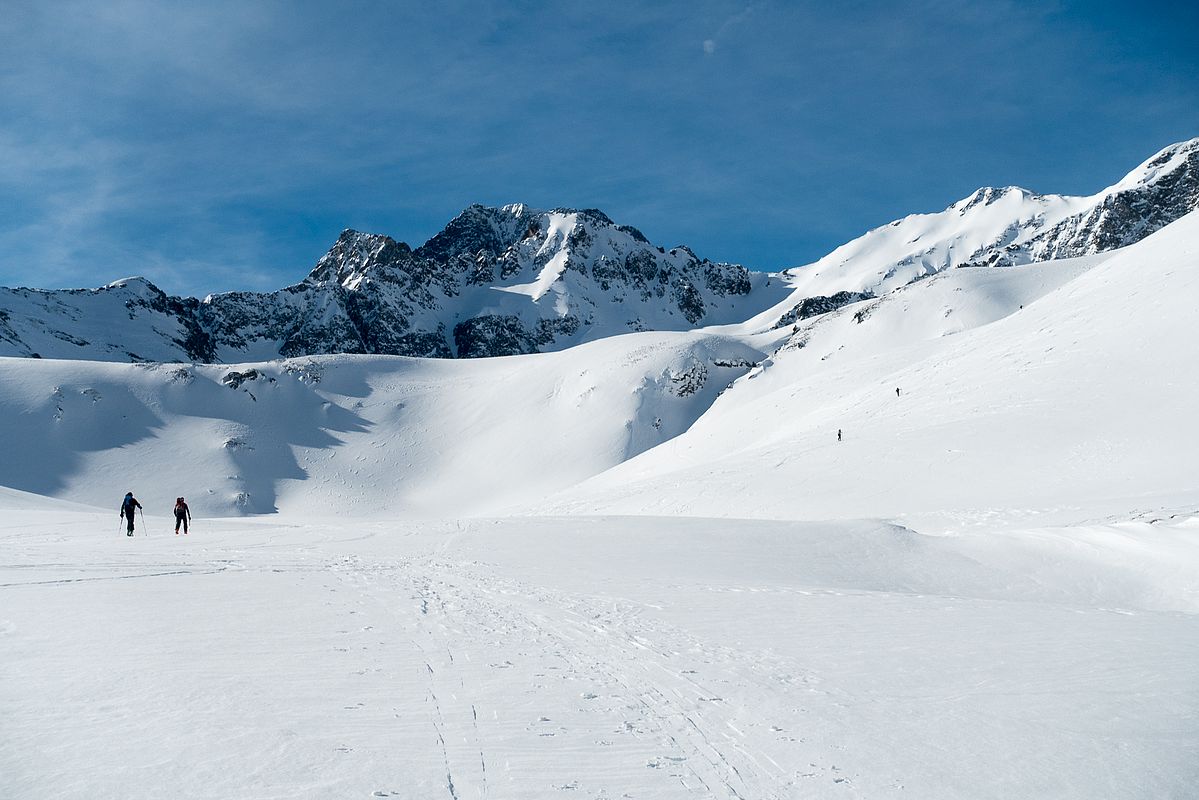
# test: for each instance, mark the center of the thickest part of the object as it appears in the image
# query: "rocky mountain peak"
(494, 231)
(479, 229)
(1000, 227)
(1174, 163)
(990, 195)
(590, 215)
(138, 286)
(1161, 190)
(355, 254)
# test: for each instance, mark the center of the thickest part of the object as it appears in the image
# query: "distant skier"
(838, 434)
(127, 507)
(897, 391)
(182, 515)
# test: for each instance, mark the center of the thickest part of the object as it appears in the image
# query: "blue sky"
(224, 146)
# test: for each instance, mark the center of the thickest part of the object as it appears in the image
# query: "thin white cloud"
(741, 16)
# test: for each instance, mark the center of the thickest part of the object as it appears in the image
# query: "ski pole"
(143, 516)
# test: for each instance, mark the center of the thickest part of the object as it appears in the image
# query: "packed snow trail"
(599, 658)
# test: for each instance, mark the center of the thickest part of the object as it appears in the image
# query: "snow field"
(594, 657)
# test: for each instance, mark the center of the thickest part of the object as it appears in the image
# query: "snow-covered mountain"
(1062, 388)
(511, 280)
(999, 227)
(1017, 384)
(484, 436)
(940, 542)
(496, 281)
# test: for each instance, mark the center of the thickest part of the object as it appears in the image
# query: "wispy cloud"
(712, 42)
(223, 145)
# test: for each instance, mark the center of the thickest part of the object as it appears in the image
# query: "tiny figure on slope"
(838, 434)
(897, 391)
(127, 507)
(182, 515)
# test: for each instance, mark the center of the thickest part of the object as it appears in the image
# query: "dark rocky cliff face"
(1166, 189)
(814, 306)
(1129, 215)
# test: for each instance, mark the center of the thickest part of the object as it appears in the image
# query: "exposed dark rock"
(862, 314)
(479, 229)
(821, 304)
(235, 379)
(493, 335)
(688, 380)
(354, 253)
(726, 279)
(734, 363)
(636, 234)
(689, 300)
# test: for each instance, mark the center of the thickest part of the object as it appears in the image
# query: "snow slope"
(361, 435)
(1078, 402)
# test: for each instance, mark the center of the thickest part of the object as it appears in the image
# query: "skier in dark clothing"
(838, 434)
(127, 507)
(182, 515)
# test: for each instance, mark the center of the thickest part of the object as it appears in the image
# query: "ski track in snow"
(576, 658)
(636, 688)
(593, 675)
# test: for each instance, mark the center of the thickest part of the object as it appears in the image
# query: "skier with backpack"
(127, 507)
(182, 515)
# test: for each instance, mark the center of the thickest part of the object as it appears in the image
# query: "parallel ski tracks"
(688, 730)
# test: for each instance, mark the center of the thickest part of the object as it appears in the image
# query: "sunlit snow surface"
(644, 567)
(1079, 403)
(601, 657)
